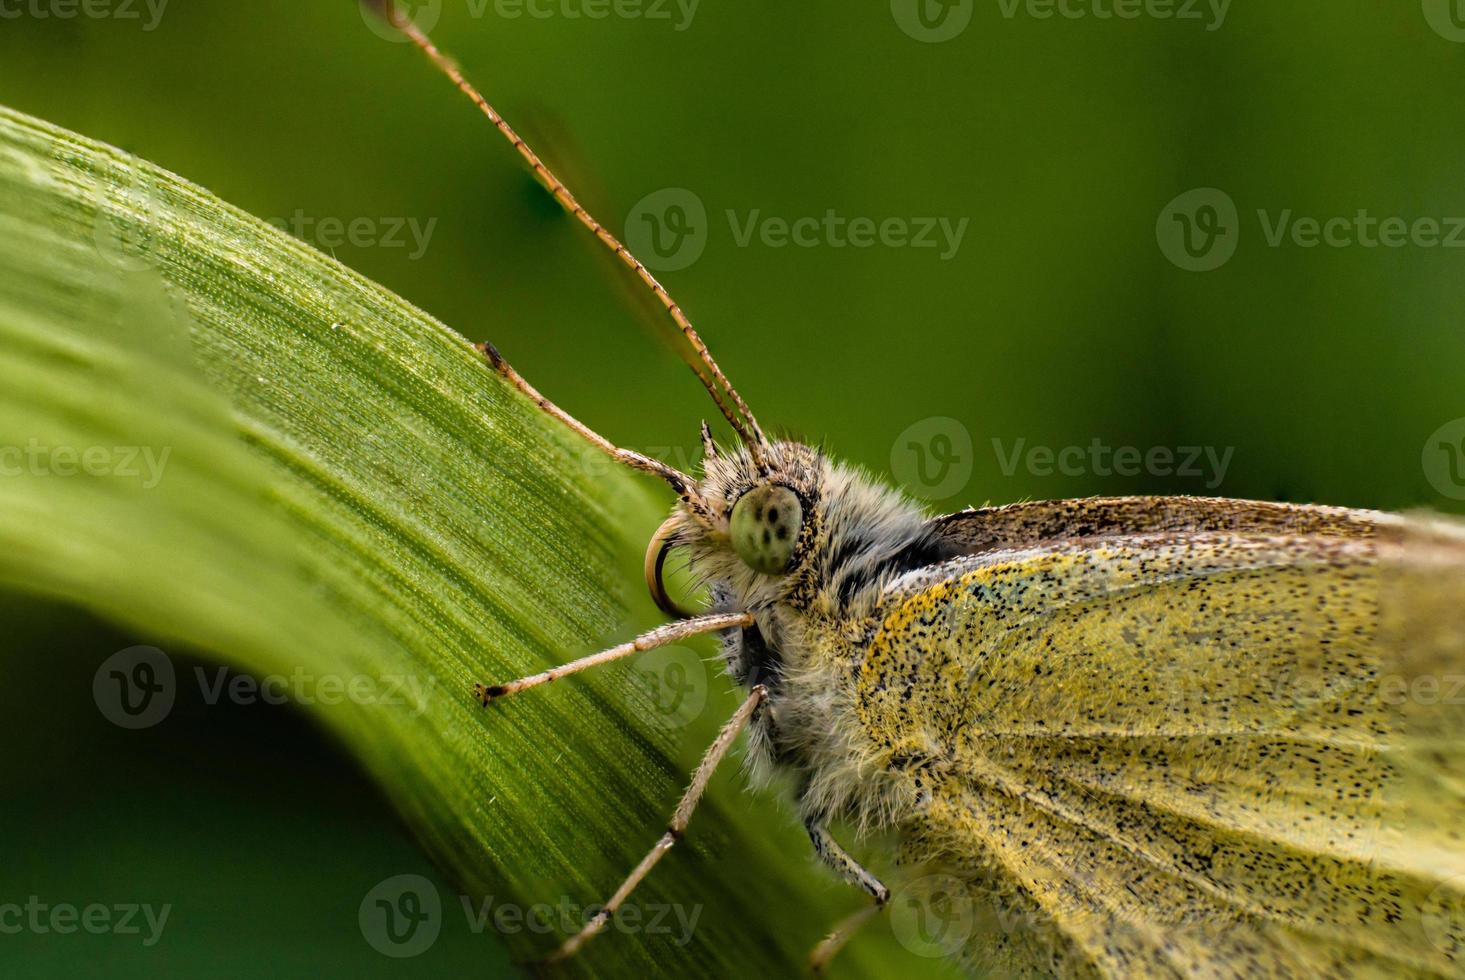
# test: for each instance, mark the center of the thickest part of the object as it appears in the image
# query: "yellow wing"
(1190, 752)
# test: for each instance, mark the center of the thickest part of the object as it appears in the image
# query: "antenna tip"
(486, 693)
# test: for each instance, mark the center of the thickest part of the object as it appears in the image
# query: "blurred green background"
(1328, 373)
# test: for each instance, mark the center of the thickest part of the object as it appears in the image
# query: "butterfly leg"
(661, 636)
(842, 933)
(836, 857)
(675, 829)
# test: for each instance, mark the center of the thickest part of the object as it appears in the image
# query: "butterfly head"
(787, 525)
(755, 524)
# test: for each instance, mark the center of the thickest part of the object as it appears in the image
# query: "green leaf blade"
(339, 488)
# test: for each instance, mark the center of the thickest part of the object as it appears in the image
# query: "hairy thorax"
(813, 728)
(814, 623)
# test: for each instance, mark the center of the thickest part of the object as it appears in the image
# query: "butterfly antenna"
(738, 415)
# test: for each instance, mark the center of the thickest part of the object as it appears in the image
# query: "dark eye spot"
(783, 533)
(766, 537)
(773, 515)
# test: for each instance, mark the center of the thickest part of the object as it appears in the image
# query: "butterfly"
(1147, 736)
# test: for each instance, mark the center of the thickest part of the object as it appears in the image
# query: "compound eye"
(765, 526)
